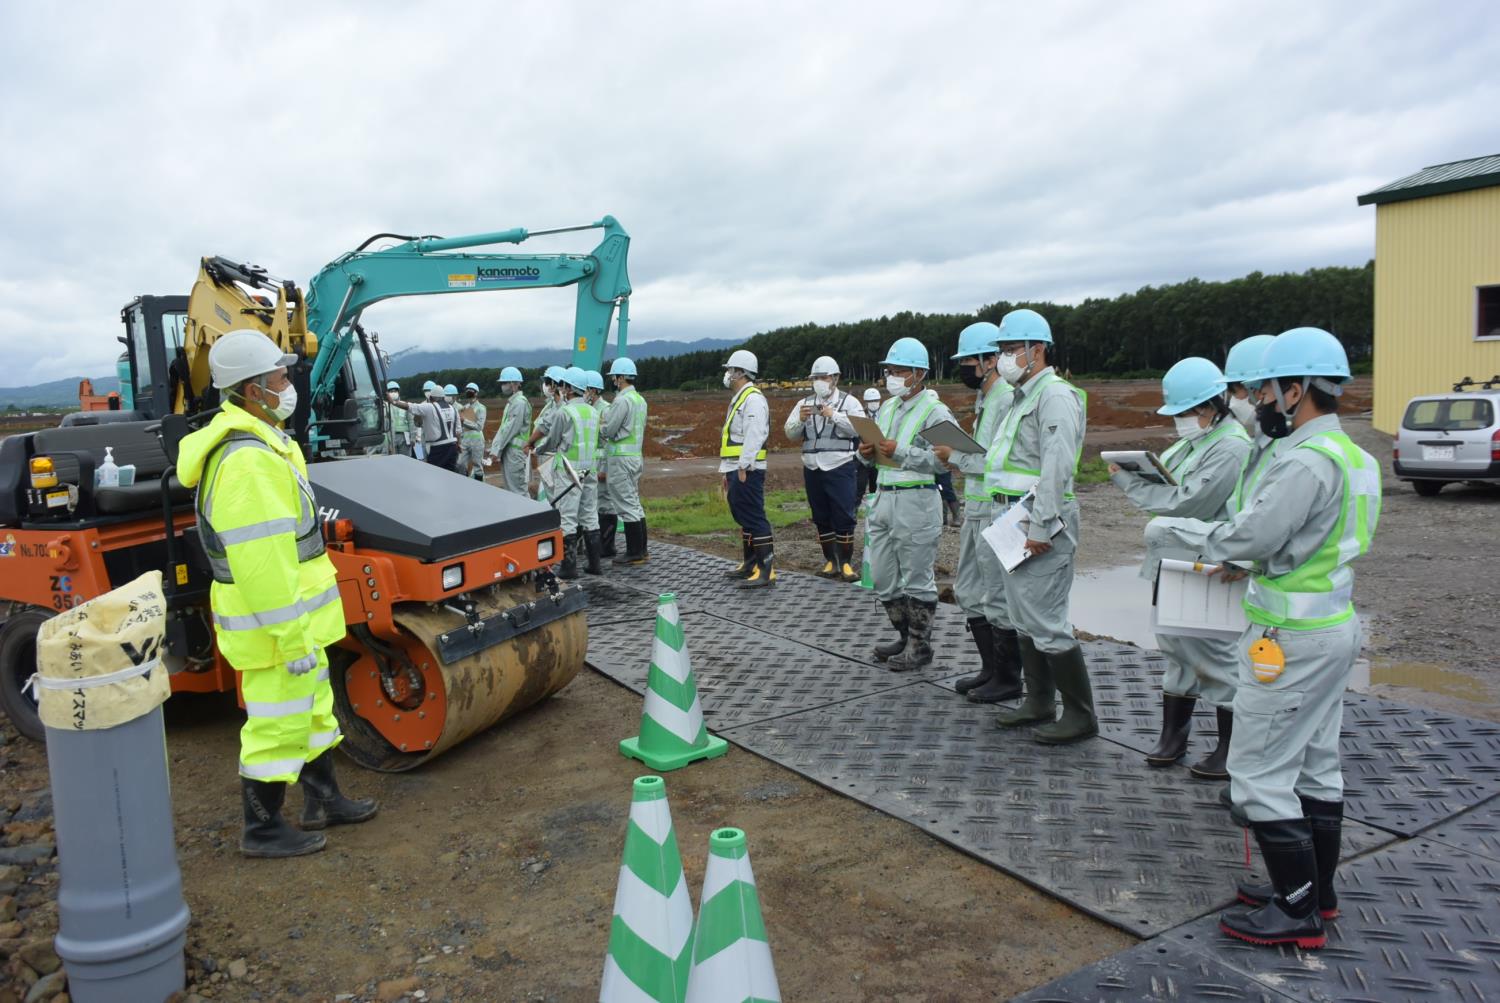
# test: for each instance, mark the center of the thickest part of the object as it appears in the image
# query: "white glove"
(304, 665)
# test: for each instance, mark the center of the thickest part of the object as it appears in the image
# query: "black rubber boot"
(635, 545)
(266, 833)
(979, 629)
(762, 572)
(1040, 703)
(830, 556)
(567, 570)
(642, 538)
(847, 571)
(1327, 818)
(1070, 673)
(1215, 765)
(955, 515)
(608, 526)
(1291, 916)
(896, 610)
(1176, 726)
(917, 654)
(323, 804)
(747, 560)
(1006, 684)
(592, 548)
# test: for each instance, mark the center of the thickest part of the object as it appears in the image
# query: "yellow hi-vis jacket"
(275, 594)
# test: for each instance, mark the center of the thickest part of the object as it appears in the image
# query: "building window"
(1487, 314)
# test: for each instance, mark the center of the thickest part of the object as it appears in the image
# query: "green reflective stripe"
(284, 614)
(731, 450)
(1196, 448)
(1320, 593)
(1005, 477)
(984, 433)
(912, 423)
(585, 445)
(256, 531)
(630, 443)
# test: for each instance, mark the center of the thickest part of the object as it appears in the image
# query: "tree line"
(1133, 335)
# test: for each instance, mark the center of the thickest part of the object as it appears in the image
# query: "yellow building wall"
(1430, 253)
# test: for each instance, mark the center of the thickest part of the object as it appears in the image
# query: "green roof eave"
(1380, 196)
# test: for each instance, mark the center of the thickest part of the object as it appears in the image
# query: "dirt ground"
(490, 874)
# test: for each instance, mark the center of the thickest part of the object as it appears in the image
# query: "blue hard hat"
(1242, 364)
(1025, 325)
(622, 367)
(982, 338)
(450, 390)
(392, 385)
(554, 373)
(1188, 384)
(472, 386)
(510, 374)
(907, 353)
(1305, 351)
(575, 378)
(595, 381)
(429, 386)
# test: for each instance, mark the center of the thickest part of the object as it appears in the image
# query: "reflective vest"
(584, 449)
(822, 435)
(308, 531)
(635, 429)
(729, 448)
(1185, 454)
(990, 414)
(903, 433)
(1255, 466)
(1320, 593)
(1001, 476)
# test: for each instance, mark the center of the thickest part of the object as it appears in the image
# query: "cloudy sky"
(774, 163)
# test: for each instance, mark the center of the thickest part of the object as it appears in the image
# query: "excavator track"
(401, 702)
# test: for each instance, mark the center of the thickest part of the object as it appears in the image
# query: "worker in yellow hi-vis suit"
(275, 596)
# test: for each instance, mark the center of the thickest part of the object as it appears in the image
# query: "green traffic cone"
(650, 937)
(672, 730)
(731, 956)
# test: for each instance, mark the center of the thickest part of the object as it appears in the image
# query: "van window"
(1465, 414)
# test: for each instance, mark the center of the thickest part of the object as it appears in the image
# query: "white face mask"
(727, 381)
(1011, 370)
(822, 388)
(895, 386)
(287, 398)
(1243, 411)
(1187, 425)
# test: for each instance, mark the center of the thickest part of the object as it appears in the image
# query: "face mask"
(1187, 426)
(1242, 410)
(873, 410)
(471, 395)
(1011, 371)
(287, 396)
(971, 377)
(727, 381)
(822, 388)
(895, 386)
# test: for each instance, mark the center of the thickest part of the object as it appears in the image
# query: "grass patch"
(1094, 471)
(700, 513)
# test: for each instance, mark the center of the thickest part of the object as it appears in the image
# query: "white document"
(1141, 462)
(1191, 603)
(1007, 534)
(947, 433)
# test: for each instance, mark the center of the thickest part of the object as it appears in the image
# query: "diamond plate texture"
(1154, 972)
(1418, 922)
(1476, 831)
(1089, 823)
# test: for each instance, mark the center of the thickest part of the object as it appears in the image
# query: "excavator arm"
(428, 266)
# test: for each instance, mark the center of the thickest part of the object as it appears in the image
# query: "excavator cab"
(153, 340)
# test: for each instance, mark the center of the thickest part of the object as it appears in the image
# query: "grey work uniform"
(979, 586)
(471, 436)
(1286, 729)
(1037, 449)
(561, 430)
(1207, 468)
(588, 503)
(543, 424)
(907, 517)
(624, 434)
(509, 443)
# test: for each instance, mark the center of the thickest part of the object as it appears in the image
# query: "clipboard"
(1007, 535)
(947, 433)
(869, 432)
(1144, 463)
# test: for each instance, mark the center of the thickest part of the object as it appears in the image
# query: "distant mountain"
(58, 393)
(411, 363)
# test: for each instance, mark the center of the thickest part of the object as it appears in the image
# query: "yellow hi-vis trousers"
(289, 721)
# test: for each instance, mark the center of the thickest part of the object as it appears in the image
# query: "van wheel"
(17, 663)
(1427, 488)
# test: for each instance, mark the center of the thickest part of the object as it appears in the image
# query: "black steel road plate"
(1154, 972)
(1476, 831)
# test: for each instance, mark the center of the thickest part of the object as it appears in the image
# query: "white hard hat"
(741, 359)
(825, 366)
(243, 355)
(871, 394)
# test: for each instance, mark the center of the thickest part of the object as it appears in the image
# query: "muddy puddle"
(1431, 679)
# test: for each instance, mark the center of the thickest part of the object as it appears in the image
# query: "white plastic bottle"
(108, 475)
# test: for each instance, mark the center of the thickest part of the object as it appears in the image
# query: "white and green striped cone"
(651, 935)
(672, 730)
(731, 956)
(866, 579)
